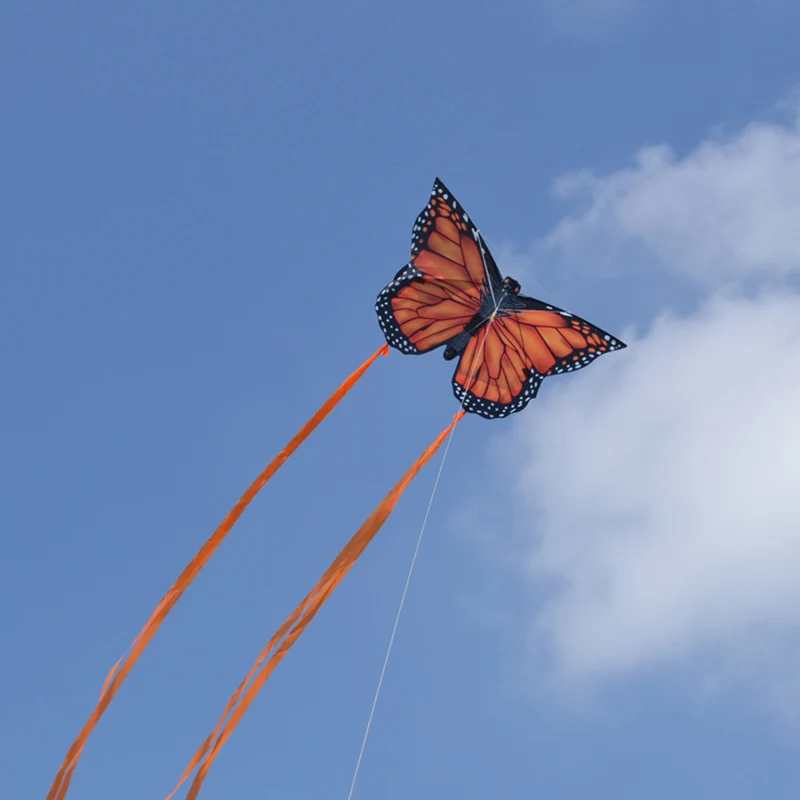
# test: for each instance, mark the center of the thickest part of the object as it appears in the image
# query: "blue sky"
(201, 204)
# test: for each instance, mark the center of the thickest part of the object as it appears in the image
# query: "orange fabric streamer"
(122, 668)
(298, 621)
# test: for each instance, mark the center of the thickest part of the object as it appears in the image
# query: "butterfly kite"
(451, 294)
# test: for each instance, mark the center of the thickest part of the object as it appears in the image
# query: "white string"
(411, 570)
(486, 271)
(397, 618)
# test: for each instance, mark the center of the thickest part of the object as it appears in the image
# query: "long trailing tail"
(119, 672)
(283, 639)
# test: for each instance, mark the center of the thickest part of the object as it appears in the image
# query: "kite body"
(452, 294)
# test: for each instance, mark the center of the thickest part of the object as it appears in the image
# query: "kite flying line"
(405, 593)
(300, 618)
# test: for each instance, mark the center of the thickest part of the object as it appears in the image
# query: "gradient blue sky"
(201, 202)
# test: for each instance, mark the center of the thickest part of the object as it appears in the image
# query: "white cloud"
(664, 482)
(728, 209)
(666, 494)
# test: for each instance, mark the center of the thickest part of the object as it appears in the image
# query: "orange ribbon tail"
(298, 621)
(120, 670)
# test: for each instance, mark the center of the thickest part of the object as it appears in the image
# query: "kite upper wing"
(433, 298)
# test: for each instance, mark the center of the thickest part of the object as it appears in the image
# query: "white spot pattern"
(391, 330)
